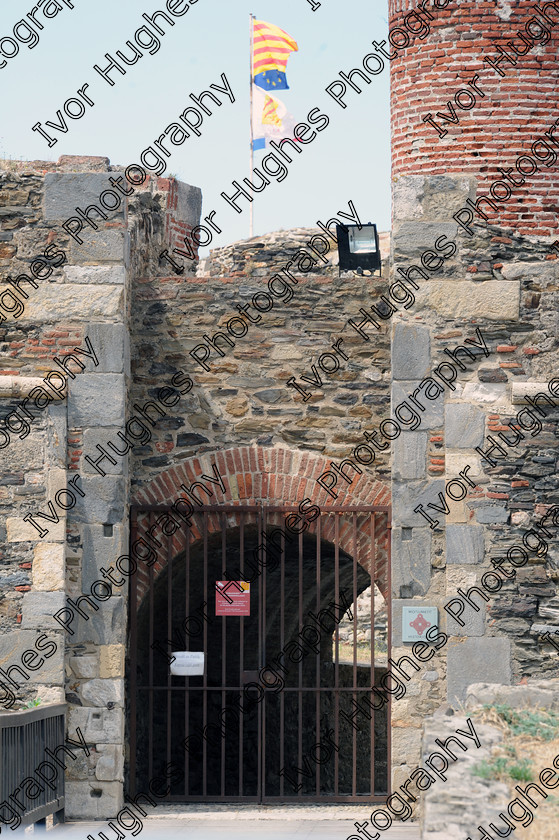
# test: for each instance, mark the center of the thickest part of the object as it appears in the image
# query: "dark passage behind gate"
(276, 682)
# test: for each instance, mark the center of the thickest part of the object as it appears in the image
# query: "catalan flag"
(270, 119)
(270, 52)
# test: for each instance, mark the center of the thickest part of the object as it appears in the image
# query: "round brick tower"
(474, 91)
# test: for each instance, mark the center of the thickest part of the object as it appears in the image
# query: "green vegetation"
(541, 723)
(499, 768)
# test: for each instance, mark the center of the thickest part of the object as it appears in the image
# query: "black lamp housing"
(358, 248)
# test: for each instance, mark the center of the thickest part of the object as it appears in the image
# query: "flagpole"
(251, 165)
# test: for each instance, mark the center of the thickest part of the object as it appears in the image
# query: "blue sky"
(350, 159)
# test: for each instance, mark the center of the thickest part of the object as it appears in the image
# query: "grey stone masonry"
(98, 545)
(94, 437)
(105, 625)
(65, 191)
(189, 202)
(410, 455)
(432, 412)
(407, 495)
(59, 575)
(50, 673)
(464, 425)
(104, 501)
(39, 609)
(410, 352)
(112, 343)
(412, 546)
(473, 623)
(464, 544)
(502, 287)
(97, 399)
(483, 659)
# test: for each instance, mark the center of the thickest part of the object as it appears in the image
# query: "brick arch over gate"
(274, 476)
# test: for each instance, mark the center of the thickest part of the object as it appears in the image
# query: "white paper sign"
(187, 663)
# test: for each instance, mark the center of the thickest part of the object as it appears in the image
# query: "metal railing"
(24, 738)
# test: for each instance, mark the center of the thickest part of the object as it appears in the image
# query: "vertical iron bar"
(223, 652)
(205, 678)
(337, 653)
(372, 574)
(354, 747)
(389, 644)
(317, 673)
(150, 682)
(262, 662)
(259, 520)
(169, 636)
(300, 675)
(282, 646)
(242, 651)
(187, 646)
(133, 596)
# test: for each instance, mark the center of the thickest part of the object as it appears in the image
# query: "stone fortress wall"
(141, 325)
(246, 408)
(501, 280)
(84, 293)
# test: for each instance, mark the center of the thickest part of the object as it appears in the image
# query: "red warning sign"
(232, 597)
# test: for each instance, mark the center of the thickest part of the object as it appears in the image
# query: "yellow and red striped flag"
(271, 48)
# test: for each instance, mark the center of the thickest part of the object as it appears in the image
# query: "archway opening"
(278, 713)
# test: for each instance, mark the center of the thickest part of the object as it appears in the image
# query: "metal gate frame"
(244, 513)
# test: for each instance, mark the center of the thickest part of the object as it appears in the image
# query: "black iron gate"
(273, 717)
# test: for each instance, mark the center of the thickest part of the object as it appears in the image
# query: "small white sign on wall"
(416, 621)
(187, 663)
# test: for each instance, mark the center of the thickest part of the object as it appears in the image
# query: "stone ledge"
(19, 386)
(75, 302)
(543, 629)
(521, 390)
(498, 300)
(542, 694)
